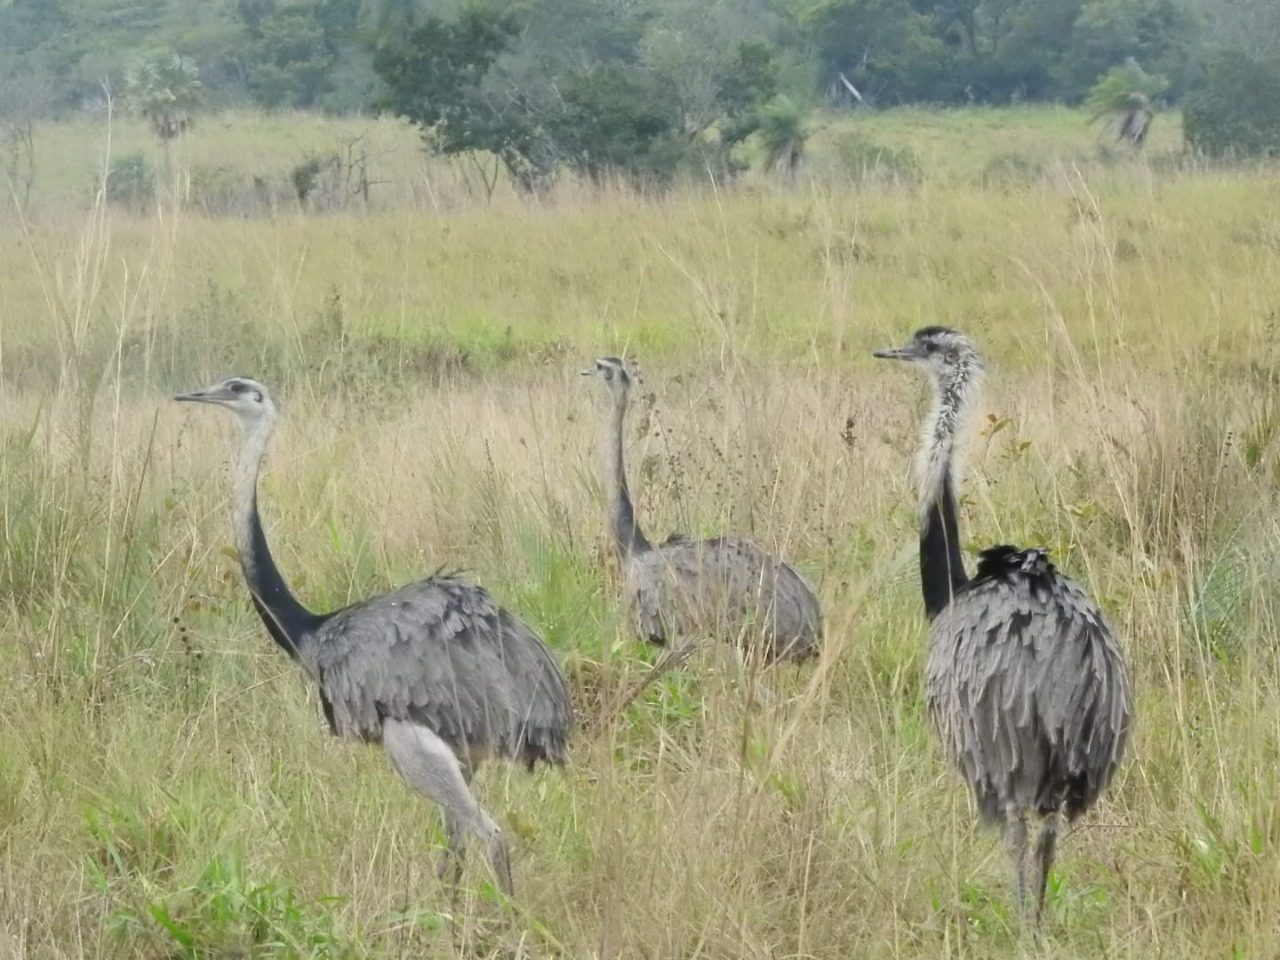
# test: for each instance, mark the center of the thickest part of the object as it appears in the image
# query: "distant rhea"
(1024, 682)
(435, 671)
(725, 587)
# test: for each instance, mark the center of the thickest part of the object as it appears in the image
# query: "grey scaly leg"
(428, 765)
(449, 869)
(1016, 837)
(1045, 849)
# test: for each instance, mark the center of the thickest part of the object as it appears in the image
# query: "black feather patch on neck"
(1000, 562)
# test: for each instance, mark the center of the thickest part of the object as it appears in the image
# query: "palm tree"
(782, 135)
(165, 89)
(1124, 94)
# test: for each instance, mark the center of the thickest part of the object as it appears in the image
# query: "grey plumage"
(436, 671)
(726, 587)
(1024, 681)
(495, 690)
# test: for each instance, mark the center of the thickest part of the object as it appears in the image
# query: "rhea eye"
(608, 373)
(238, 387)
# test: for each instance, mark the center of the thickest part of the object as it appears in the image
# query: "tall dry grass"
(166, 784)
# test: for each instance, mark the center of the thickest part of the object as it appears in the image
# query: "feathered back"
(1027, 687)
(724, 587)
(442, 653)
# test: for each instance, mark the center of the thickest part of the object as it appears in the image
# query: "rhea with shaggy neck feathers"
(435, 671)
(1024, 681)
(725, 587)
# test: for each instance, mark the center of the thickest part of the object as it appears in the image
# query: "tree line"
(637, 86)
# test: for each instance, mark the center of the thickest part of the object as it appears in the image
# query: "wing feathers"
(442, 653)
(724, 587)
(1027, 689)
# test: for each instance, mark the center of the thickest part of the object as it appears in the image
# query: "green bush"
(1237, 111)
(131, 181)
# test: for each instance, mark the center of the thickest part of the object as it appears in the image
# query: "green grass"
(167, 787)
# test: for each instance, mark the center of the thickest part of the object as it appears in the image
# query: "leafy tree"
(107, 36)
(435, 76)
(288, 63)
(705, 50)
(1026, 60)
(623, 120)
(1250, 26)
(1237, 111)
(885, 47)
(296, 50)
(1157, 33)
(750, 81)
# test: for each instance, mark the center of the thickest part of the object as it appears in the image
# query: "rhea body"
(435, 671)
(1024, 681)
(725, 587)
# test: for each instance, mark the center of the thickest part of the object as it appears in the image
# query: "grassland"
(166, 786)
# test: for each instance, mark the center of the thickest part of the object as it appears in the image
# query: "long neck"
(627, 536)
(285, 618)
(941, 563)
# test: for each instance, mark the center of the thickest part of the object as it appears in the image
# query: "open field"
(167, 787)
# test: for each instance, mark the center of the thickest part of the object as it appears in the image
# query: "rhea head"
(243, 396)
(614, 374)
(948, 355)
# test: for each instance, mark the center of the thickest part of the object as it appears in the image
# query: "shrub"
(1237, 111)
(131, 181)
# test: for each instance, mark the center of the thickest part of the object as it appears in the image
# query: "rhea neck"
(941, 563)
(628, 539)
(287, 620)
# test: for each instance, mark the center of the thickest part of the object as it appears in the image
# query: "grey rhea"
(435, 671)
(726, 586)
(1024, 682)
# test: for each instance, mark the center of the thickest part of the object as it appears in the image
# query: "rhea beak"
(897, 353)
(207, 395)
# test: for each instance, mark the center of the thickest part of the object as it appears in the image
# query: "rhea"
(435, 671)
(724, 587)
(1024, 681)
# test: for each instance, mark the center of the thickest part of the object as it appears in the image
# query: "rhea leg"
(449, 869)
(428, 765)
(1015, 833)
(1045, 849)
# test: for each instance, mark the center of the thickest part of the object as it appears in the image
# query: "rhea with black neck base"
(435, 671)
(1024, 682)
(727, 588)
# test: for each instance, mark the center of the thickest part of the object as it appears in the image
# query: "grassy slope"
(164, 777)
